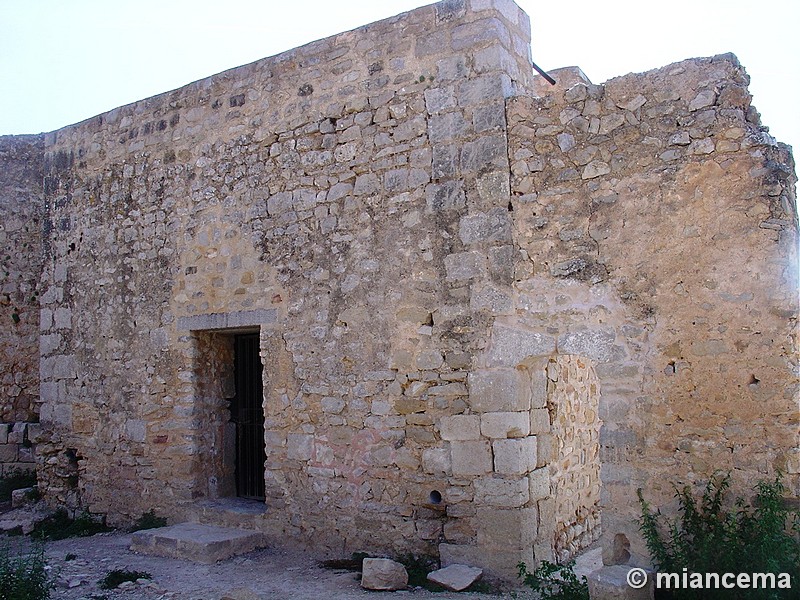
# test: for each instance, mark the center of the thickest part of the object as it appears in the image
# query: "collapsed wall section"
(21, 211)
(662, 218)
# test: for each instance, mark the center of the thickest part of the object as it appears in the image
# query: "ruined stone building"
(405, 295)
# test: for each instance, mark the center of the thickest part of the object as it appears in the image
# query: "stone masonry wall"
(17, 447)
(326, 197)
(21, 211)
(662, 218)
(443, 257)
(573, 399)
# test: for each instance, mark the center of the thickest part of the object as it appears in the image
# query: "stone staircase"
(220, 529)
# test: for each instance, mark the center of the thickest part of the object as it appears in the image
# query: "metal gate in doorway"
(247, 412)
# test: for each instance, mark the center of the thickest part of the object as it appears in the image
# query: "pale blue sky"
(62, 61)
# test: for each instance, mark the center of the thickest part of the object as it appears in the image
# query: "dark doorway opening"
(247, 413)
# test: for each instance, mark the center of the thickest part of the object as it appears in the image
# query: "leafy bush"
(16, 480)
(60, 526)
(24, 577)
(114, 578)
(555, 582)
(713, 536)
(149, 520)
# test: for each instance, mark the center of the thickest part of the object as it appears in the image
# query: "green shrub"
(16, 480)
(715, 536)
(114, 578)
(149, 520)
(418, 568)
(24, 577)
(60, 526)
(555, 582)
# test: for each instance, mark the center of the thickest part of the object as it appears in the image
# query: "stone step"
(196, 542)
(237, 513)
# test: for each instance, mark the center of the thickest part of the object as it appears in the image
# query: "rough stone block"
(539, 483)
(502, 529)
(196, 542)
(455, 577)
(496, 58)
(383, 574)
(436, 461)
(448, 195)
(451, 554)
(471, 458)
(506, 493)
(18, 433)
(4, 429)
(505, 424)
(447, 127)
(460, 427)
(493, 226)
(499, 390)
(464, 265)
(486, 118)
(8, 453)
(485, 153)
(597, 344)
(610, 583)
(515, 457)
(299, 446)
(510, 346)
(540, 421)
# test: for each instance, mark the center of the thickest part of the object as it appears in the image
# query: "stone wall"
(21, 210)
(573, 399)
(444, 259)
(659, 222)
(18, 447)
(318, 197)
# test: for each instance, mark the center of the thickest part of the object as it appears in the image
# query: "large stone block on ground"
(455, 577)
(611, 583)
(196, 542)
(383, 574)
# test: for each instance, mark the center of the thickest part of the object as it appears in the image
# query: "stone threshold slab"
(196, 542)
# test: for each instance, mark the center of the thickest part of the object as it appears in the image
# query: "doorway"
(247, 415)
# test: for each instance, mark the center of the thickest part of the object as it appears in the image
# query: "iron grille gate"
(247, 412)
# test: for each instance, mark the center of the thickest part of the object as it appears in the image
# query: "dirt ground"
(260, 575)
(263, 574)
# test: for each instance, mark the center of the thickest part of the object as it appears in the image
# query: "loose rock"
(456, 577)
(383, 574)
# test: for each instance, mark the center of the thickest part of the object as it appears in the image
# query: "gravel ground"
(263, 574)
(260, 575)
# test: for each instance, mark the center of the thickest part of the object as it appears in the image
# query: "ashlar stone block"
(471, 458)
(515, 457)
(539, 481)
(505, 424)
(460, 427)
(506, 493)
(499, 390)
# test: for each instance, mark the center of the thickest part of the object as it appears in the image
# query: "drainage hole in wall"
(435, 497)
(754, 381)
(670, 369)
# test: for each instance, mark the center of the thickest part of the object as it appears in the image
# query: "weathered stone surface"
(196, 542)
(455, 577)
(505, 424)
(383, 574)
(471, 458)
(499, 390)
(610, 583)
(416, 233)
